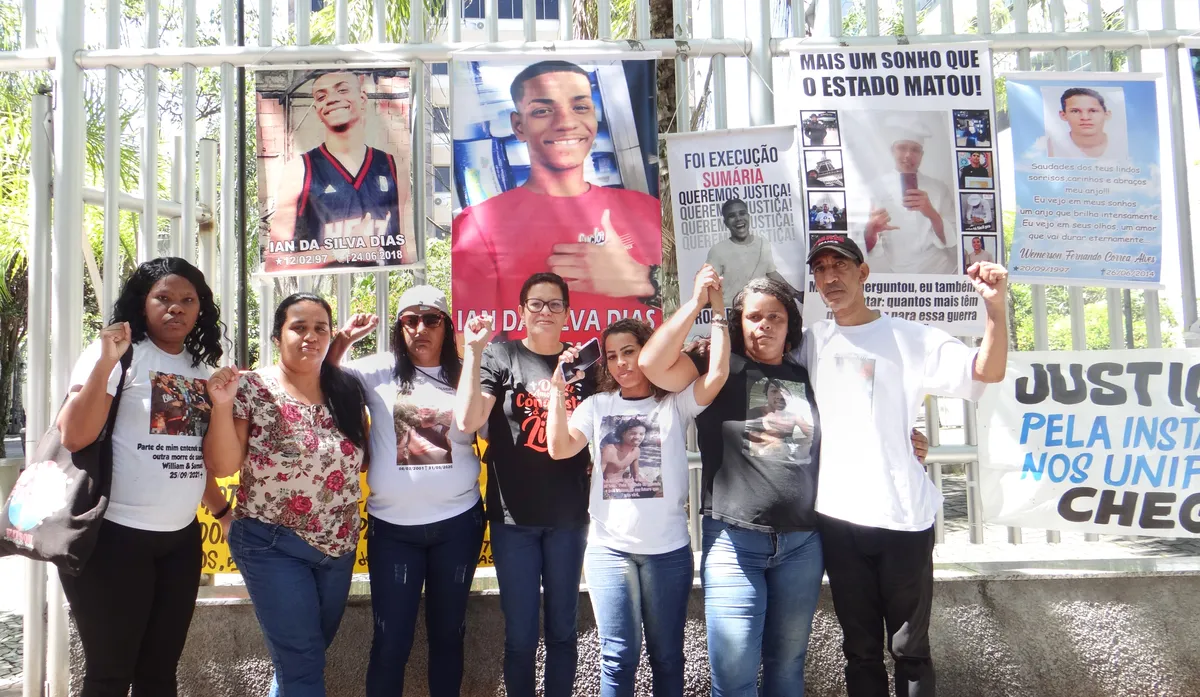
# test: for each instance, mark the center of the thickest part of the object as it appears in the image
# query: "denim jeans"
(536, 565)
(760, 593)
(299, 595)
(441, 558)
(629, 591)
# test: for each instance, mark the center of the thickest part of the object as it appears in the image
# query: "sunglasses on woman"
(431, 321)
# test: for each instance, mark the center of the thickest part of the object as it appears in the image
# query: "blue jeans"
(299, 595)
(441, 557)
(536, 565)
(760, 593)
(627, 592)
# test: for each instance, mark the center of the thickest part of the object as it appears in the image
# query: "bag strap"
(126, 361)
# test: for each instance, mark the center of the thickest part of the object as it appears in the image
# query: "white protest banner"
(911, 131)
(1095, 441)
(737, 206)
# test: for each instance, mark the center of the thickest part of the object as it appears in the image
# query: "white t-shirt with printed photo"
(158, 465)
(423, 468)
(869, 381)
(639, 469)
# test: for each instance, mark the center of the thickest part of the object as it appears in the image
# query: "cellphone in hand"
(588, 355)
(908, 182)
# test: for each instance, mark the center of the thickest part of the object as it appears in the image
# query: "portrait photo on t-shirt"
(779, 421)
(857, 375)
(423, 430)
(179, 406)
(631, 457)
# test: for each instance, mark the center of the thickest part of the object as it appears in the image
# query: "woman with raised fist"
(133, 600)
(424, 514)
(297, 433)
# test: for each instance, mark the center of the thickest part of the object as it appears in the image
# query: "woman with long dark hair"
(424, 513)
(639, 561)
(133, 601)
(297, 433)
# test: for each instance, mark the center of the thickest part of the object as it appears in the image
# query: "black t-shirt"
(524, 485)
(759, 444)
(970, 171)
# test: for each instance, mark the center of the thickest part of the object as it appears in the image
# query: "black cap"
(834, 241)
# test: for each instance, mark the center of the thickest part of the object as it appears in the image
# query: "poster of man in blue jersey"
(333, 168)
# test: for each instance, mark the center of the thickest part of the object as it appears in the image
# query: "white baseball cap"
(423, 298)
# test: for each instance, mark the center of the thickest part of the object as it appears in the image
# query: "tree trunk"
(12, 331)
(662, 26)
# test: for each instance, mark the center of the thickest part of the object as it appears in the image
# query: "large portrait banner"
(556, 170)
(334, 186)
(899, 151)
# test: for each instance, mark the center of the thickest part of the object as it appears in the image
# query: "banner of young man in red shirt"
(555, 169)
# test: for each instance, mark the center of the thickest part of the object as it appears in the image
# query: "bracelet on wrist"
(223, 512)
(719, 322)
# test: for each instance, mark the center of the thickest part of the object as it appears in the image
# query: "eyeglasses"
(431, 321)
(536, 305)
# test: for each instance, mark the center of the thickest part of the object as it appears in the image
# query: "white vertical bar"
(872, 11)
(974, 500)
(1183, 207)
(1058, 23)
(381, 18)
(345, 283)
(175, 240)
(341, 22)
(604, 19)
(529, 19)
(148, 240)
(1020, 13)
(720, 101)
(383, 281)
(566, 20)
(37, 380)
(796, 14)
(454, 20)
(207, 254)
(947, 19)
(491, 19)
(758, 27)
(983, 17)
(66, 302)
(112, 163)
(188, 224)
(910, 17)
(228, 234)
(303, 28)
(642, 17)
(1153, 320)
(933, 427)
(683, 104)
(835, 20)
(266, 313)
(29, 28)
(265, 15)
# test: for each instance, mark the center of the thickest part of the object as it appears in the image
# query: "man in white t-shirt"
(876, 505)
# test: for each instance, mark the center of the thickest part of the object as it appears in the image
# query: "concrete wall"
(999, 636)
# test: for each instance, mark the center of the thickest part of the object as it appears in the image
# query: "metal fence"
(738, 48)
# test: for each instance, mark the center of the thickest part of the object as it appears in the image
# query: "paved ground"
(956, 548)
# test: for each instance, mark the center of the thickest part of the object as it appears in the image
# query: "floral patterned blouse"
(300, 470)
